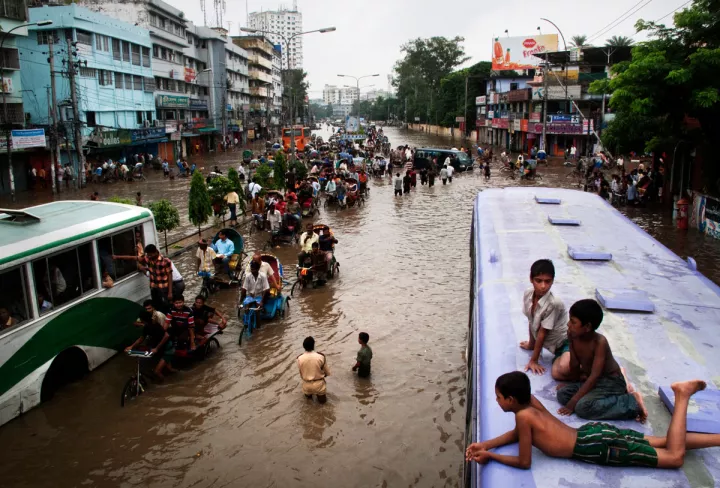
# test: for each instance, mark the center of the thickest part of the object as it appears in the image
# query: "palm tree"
(619, 41)
(578, 41)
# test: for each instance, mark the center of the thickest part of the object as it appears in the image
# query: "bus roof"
(59, 223)
(677, 341)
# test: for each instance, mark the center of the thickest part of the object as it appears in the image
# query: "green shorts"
(562, 349)
(605, 444)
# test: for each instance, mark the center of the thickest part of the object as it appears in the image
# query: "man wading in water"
(313, 370)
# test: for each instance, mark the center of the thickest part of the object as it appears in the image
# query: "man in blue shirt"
(224, 248)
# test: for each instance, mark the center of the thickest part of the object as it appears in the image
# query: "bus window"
(87, 268)
(121, 244)
(14, 298)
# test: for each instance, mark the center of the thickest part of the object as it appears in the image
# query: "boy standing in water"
(546, 322)
(604, 394)
(364, 356)
(595, 443)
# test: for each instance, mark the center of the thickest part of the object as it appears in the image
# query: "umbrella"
(276, 146)
(344, 155)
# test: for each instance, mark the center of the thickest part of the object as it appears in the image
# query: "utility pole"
(55, 136)
(76, 122)
(543, 142)
(467, 78)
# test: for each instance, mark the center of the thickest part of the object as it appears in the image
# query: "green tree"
(219, 187)
(295, 90)
(579, 41)
(262, 176)
(417, 75)
(301, 170)
(166, 216)
(199, 205)
(619, 41)
(279, 170)
(670, 90)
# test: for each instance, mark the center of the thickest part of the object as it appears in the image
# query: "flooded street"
(240, 419)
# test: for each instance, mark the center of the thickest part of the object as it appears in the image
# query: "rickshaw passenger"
(319, 262)
(363, 180)
(327, 245)
(293, 215)
(331, 188)
(224, 248)
(315, 187)
(341, 191)
(205, 315)
(274, 217)
(306, 241)
(266, 269)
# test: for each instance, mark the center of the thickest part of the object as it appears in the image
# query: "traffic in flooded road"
(239, 418)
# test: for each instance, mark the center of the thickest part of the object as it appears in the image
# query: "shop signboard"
(27, 138)
(7, 85)
(459, 119)
(536, 117)
(171, 126)
(516, 125)
(491, 114)
(173, 101)
(251, 134)
(519, 53)
(175, 136)
(417, 119)
(139, 135)
(558, 128)
(556, 92)
(480, 100)
(197, 104)
(501, 123)
(524, 125)
(574, 118)
(190, 75)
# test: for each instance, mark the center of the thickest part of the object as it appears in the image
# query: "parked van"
(458, 159)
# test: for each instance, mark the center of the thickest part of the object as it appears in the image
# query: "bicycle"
(249, 317)
(137, 384)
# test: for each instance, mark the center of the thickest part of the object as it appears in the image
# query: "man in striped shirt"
(181, 322)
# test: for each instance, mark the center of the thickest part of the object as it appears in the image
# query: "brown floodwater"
(239, 418)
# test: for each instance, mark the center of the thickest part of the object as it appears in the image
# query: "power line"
(617, 22)
(628, 10)
(667, 14)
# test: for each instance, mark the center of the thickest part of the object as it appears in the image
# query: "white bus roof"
(37, 229)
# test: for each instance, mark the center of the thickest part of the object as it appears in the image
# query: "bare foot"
(688, 388)
(642, 416)
(630, 387)
(527, 346)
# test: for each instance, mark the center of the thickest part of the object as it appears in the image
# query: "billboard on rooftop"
(519, 52)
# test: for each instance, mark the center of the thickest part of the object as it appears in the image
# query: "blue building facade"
(114, 80)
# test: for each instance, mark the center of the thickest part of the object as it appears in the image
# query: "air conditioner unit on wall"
(146, 123)
(159, 123)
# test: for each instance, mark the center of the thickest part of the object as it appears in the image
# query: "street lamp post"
(287, 40)
(357, 82)
(8, 125)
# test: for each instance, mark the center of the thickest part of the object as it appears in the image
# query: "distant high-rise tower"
(276, 24)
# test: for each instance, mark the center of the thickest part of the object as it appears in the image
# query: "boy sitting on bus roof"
(595, 443)
(546, 322)
(604, 393)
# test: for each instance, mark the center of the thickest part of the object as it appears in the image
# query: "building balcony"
(260, 61)
(260, 76)
(257, 91)
(15, 114)
(257, 44)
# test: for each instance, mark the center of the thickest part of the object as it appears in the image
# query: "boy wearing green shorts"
(596, 443)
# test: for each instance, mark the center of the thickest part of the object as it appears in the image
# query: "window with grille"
(119, 81)
(9, 58)
(126, 51)
(88, 72)
(105, 77)
(149, 85)
(90, 117)
(135, 54)
(146, 57)
(44, 37)
(116, 49)
(13, 9)
(137, 83)
(84, 37)
(128, 82)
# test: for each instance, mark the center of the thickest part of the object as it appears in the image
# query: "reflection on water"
(240, 419)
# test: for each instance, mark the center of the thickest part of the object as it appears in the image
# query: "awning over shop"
(190, 134)
(149, 141)
(206, 130)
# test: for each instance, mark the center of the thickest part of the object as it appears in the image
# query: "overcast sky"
(370, 32)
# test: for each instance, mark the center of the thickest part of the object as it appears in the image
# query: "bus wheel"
(70, 365)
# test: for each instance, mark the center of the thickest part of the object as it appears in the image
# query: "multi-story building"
(113, 81)
(282, 27)
(277, 90)
(260, 61)
(346, 95)
(349, 95)
(511, 115)
(13, 13)
(331, 94)
(202, 91)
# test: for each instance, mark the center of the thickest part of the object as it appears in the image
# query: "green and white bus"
(57, 320)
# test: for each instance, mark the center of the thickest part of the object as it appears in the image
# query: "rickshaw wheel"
(129, 391)
(296, 286)
(285, 309)
(326, 204)
(211, 346)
